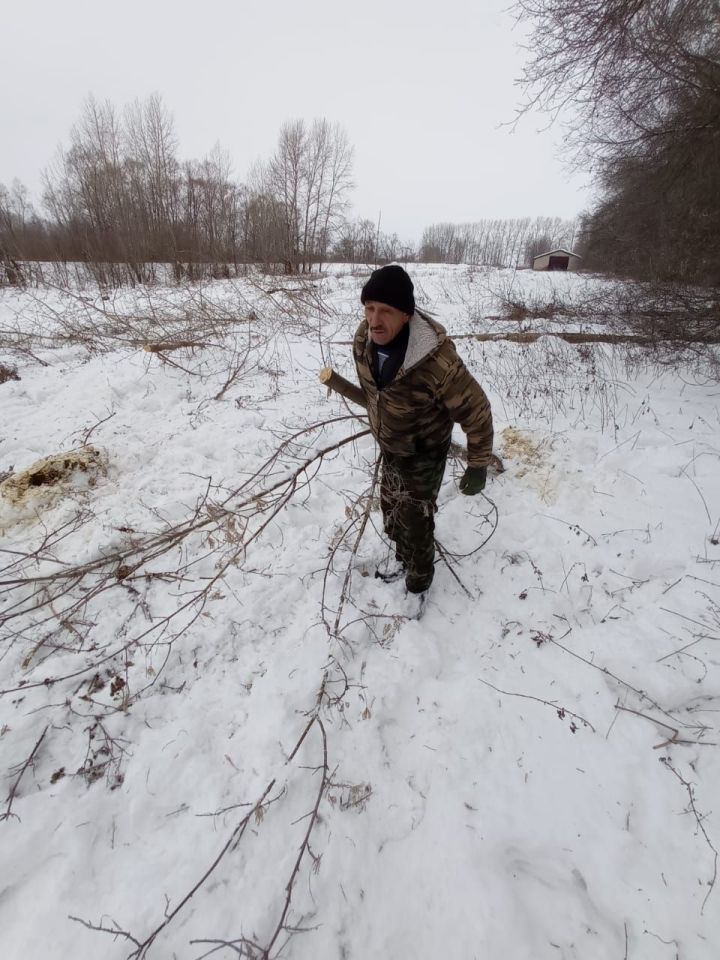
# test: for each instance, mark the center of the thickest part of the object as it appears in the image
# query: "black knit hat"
(390, 285)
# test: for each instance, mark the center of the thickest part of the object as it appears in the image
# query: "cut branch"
(527, 337)
(333, 381)
(173, 345)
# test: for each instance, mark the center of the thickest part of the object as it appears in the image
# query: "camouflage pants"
(408, 493)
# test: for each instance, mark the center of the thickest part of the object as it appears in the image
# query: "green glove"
(473, 481)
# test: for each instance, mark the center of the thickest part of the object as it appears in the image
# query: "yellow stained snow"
(48, 478)
(534, 461)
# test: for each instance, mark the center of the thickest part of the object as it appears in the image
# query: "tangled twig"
(13, 790)
(562, 712)
(700, 825)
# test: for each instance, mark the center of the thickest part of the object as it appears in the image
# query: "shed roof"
(550, 253)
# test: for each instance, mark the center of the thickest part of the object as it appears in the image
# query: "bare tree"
(154, 172)
(308, 177)
(119, 199)
(15, 215)
(638, 85)
(338, 182)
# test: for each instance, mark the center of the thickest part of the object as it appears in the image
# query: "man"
(416, 387)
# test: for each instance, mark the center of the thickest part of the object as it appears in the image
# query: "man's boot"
(419, 581)
(393, 572)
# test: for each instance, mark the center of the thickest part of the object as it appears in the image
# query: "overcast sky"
(422, 89)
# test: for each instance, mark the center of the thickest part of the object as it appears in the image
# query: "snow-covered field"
(221, 735)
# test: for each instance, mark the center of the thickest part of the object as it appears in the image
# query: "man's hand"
(473, 481)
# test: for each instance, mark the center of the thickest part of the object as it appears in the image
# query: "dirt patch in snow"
(8, 373)
(51, 475)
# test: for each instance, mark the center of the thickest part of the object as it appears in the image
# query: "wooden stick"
(172, 345)
(333, 381)
(527, 336)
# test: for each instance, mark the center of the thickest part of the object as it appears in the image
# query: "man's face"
(384, 322)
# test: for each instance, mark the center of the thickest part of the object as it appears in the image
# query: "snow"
(504, 776)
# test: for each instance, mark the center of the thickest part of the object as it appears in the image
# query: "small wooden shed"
(556, 260)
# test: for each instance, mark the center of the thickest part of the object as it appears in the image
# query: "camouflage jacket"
(414, 414)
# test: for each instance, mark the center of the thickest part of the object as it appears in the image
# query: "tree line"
(496, 243)
(119, 194)
(638, 83)
(118, 198)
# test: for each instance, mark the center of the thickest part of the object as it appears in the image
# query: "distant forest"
(637, 83)
(119, 195)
